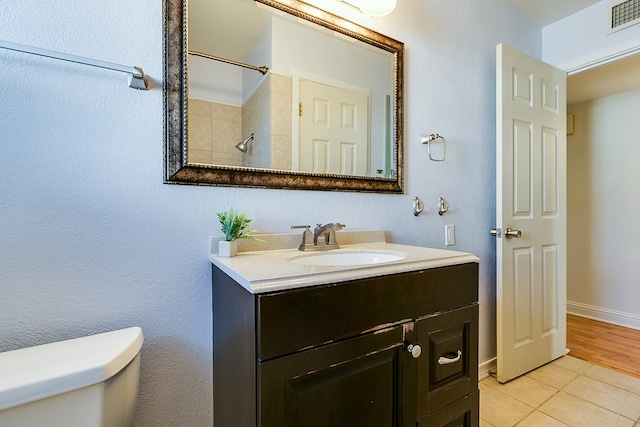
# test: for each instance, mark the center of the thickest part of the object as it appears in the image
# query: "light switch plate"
(449, 235)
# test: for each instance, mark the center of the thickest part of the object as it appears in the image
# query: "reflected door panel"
(334, 136)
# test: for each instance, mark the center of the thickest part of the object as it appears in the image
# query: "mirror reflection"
(319, 113)
(269, 90)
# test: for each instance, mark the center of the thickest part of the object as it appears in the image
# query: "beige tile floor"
(566, 392)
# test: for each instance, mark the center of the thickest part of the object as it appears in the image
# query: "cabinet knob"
(415, 350)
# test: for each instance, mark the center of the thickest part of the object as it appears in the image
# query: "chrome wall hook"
(433, 138)
(443, 206)
(418, 206)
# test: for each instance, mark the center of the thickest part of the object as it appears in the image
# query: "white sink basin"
(347, 258)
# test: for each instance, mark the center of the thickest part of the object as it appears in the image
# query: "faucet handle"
(331, 235)
(308, 227)
(306, 236)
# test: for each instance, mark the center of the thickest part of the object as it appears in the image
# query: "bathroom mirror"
(230, 125)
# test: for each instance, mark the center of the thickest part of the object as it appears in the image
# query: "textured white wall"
(603, 202)
(92, 240)
(576, 38)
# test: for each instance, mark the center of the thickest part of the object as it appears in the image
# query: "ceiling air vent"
(623, 14)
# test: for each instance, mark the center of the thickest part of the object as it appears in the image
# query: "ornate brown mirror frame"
(179, 171)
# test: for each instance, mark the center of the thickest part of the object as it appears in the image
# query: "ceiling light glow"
(377, 8)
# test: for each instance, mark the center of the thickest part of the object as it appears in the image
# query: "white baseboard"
(620, 318)
(485, 367)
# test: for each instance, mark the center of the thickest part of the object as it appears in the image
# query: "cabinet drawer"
(291, 321)
(464, 412)
(449, 368)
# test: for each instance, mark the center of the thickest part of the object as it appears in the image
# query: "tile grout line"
(613, 385)
(580, 374)
(594, 403)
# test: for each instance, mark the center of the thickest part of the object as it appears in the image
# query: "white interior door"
(531, 213)
(334, 132)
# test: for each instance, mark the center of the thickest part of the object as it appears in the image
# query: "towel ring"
(432, 137)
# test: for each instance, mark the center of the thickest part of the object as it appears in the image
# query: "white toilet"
(84, 382)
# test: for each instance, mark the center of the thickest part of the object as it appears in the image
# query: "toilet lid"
(34, 373)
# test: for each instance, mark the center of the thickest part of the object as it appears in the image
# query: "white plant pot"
(227, 249)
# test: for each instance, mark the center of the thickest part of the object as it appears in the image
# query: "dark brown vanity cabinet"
(397, 350)
(357, 382)
(448, 379)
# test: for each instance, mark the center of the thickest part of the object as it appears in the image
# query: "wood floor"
(604, 344)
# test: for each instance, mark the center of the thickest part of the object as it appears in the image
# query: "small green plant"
(236, 225)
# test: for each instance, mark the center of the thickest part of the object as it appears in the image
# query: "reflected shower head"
(244, 145)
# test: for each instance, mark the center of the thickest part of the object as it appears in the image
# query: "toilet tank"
(85, 382)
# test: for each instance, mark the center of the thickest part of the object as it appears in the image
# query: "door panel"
(334, 130)
(531, 198)
(522, 296)
(551, 308)
(522, 180)
(550, 185)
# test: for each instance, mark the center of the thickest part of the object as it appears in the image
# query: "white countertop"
(267, 271)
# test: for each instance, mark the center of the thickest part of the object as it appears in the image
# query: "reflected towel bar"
(137, 79)
(263, 69)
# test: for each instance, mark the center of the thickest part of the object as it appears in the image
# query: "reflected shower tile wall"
(213, 130)
(255, 113)
(226, 133)
(281, 136)
(199, 131)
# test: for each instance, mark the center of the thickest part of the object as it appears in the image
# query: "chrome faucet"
(328, 231)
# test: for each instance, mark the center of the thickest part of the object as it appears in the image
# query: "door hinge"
(300, 109)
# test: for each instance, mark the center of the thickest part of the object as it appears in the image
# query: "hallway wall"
(603, 205)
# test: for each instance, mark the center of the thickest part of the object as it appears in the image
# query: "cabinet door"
(448, 367)
(356, 382)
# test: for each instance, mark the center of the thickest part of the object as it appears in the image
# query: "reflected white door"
(334, 133)
(530, 198)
